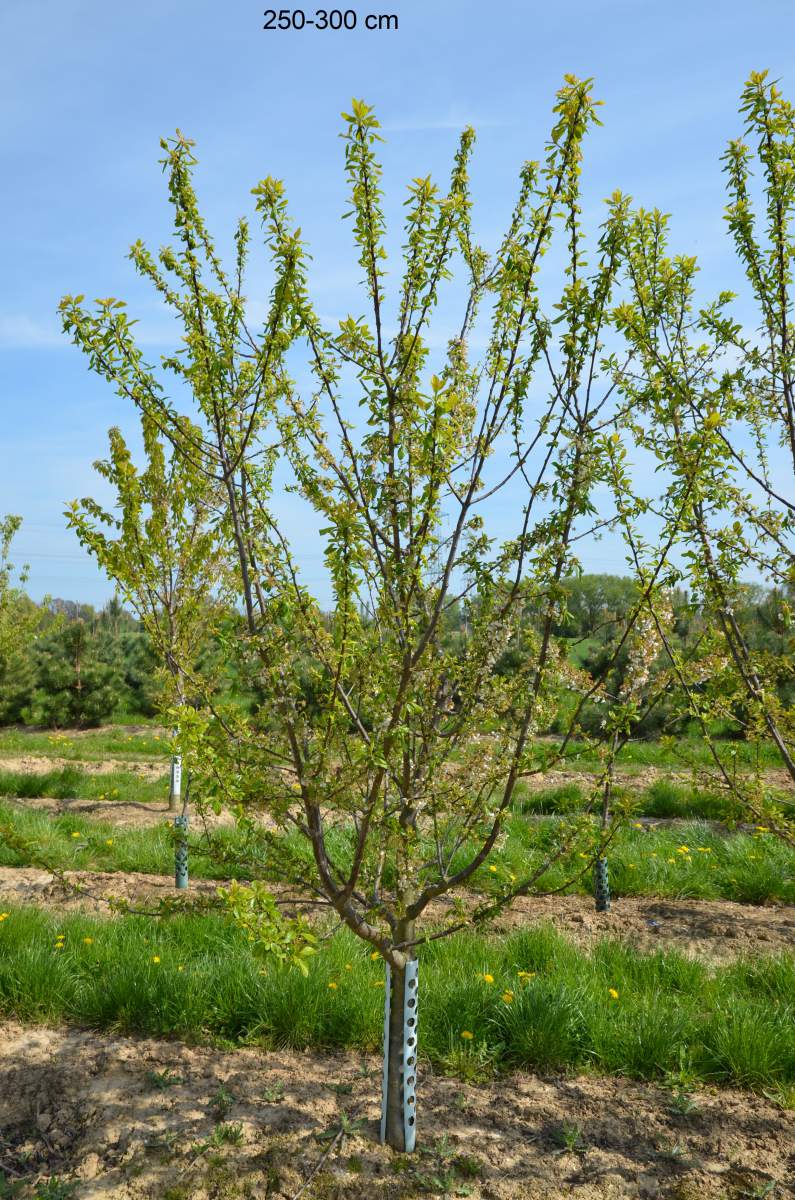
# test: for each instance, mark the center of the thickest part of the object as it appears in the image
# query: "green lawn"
(70, 783)
(91, 745)
(692, 860)
(530, 1000)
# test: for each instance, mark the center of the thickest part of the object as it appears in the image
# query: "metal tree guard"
(601, 885)
(408, 1057)
(181, 852)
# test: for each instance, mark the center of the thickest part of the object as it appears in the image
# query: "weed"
(783, 1097)
(467, 1166)
(341, 1089)
(159, 1081)
(683, 1105)
(55, 1189)
(570, 1140)
(345, 1127)
(675, 1151)
(222, 1103)
(228, 1135)
(474, 1061)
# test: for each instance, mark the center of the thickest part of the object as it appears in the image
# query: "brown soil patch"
(712, 930)
(638, 777)
(140, 814)
(31, 764)
(99, 1110)
(31, 885)
(718, 930)
(124, 814)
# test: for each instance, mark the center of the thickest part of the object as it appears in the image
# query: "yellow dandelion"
(333, 986)
(632, 866)
(467, 1035)
(155, 958)
(526, 974)
(704, 849)
(636, 825)
(376, 954)
(88, 941)
(488, 978)
(379, 983)
(682, 849)
(58, 946)
(348, 967)
(4, 916)
(583, 855)
(108, 841)
(762, 828)
(613, 993)
(671, 860)
(75, 834)
(508, 997)
(493, 869)
(181, 968)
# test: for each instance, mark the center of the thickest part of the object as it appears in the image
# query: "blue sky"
(87, 89)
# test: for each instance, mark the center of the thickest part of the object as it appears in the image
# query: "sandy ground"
(31, 764)
(713, 930)
(634, 774)
(124, 814)
(139, 814)
(99, 1110)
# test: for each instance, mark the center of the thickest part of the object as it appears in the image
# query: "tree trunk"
(399, 1105)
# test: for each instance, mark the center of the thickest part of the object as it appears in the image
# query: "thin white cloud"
(20, 332)
(426, 125)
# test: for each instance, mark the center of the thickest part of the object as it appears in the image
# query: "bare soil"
(124, 814)
(33, 764)
(134, 1119)
(711, 930)
(637, 776)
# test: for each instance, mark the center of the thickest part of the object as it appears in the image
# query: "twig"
(324, 1157)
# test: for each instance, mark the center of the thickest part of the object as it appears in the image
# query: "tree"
(10, 596)
(161, 549)
(375, 776)
(716, 407)
(19, 619)
(74, 687)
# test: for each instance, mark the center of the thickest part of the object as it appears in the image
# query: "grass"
(75, 842)
(118, 741)
(70, 783)
(663, 798)
(690, 861)
(693, 860)
(650, 1016)
(89, 745)
(688, 751)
